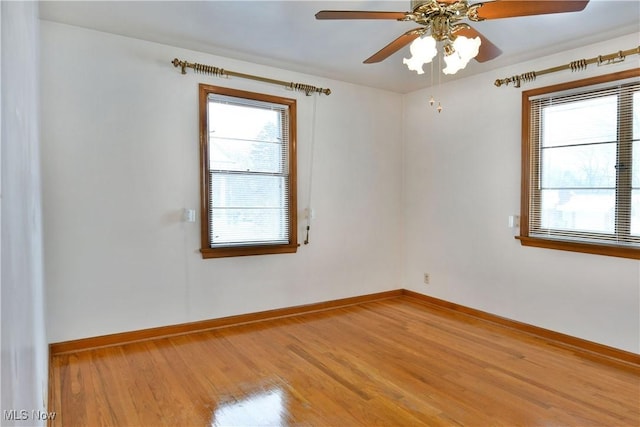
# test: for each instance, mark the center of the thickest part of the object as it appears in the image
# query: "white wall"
(24, 355)
(120, 149)
(462, 181)
(120, 146)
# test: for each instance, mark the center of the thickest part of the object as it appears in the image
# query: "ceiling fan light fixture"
(458, 56)
(442, 19)
(423, 50)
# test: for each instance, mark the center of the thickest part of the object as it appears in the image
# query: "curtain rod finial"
(177, 63)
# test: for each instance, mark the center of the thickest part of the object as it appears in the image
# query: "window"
(581, 166)
(248, 173)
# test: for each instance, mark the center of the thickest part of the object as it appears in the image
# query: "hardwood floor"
(394, 362)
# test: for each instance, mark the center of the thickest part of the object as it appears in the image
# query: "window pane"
(247, 191)
(591, 166)
(635, 212)
(244, 122)
(578, 210)
(244, 155)
(248, 208)
(636, 116)
(247, 158)
(243, 226)
(635, 181)
(581, 174)
(635, 169)
(580, 122)
(245, 138)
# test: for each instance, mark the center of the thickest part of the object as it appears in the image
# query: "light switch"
(189, 215)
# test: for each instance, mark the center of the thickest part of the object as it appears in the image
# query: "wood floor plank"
(393, 362)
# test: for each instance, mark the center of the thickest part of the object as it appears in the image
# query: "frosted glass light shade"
(465, 49)
(423, 50)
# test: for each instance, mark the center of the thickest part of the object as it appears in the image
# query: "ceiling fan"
(441, 20)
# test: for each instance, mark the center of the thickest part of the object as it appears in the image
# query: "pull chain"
(308, 211)
(306, 240)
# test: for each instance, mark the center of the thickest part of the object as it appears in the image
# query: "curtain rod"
(215, 71)
(579, 65)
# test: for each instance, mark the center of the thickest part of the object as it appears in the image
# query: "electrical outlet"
(426, 278)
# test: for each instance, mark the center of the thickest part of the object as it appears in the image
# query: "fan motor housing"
(416, 3)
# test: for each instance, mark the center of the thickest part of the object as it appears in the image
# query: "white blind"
(585, 165)
(248, 172)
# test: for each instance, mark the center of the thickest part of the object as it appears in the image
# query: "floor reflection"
(265, 408)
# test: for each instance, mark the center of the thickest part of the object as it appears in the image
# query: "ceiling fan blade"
(359, 14)
(488, 50)
(395, 45)
(512, 8)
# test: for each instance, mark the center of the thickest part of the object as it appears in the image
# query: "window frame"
(205, 184)
(525, 239)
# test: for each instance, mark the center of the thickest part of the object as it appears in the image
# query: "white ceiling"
(285, 34)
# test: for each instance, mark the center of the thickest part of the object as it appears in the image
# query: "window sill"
(588, 248)
(248, 250)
